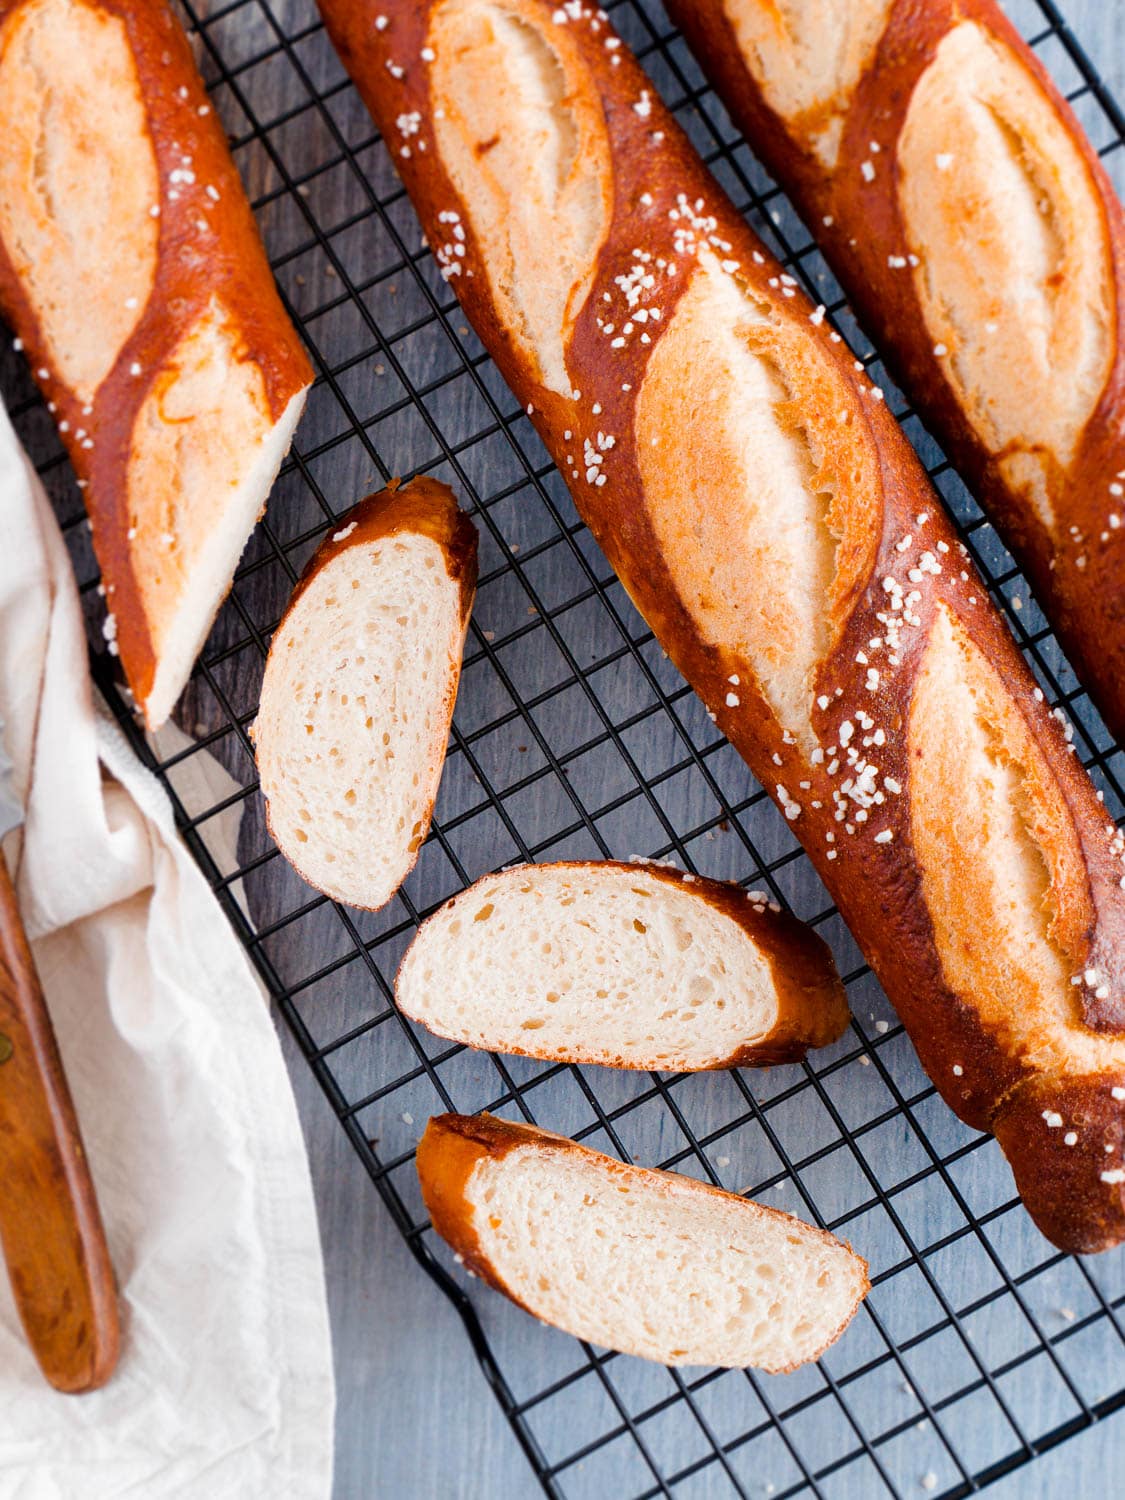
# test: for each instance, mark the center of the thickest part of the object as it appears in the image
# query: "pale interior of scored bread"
(78, 181)
(652, 1264)
(1014, 273)
(354, 715)
(204, 453)
(751, 483)
(524, 140)
(807, 57)
(761, 483)
(598, 964)
(1002, 870)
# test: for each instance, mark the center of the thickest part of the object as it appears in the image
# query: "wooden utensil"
(50, 1227)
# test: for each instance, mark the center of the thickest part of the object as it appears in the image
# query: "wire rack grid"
(980, 1345)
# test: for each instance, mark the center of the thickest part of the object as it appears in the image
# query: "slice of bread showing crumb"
(359, 689)
(641, 1261)
(629, 965)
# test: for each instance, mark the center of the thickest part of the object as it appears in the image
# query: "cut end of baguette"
(359, 689)
(645, 1262)
(185, 566)
(629, 966)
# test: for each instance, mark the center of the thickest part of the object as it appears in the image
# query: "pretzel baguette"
(132, 274)
(778, 533)
(980, 241)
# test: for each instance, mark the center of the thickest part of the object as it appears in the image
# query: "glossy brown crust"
(876, 887)
(424, 507)
(812, 1001)
(191, 270)
(1080, 578)
(452, 1145)
(1071, 1190)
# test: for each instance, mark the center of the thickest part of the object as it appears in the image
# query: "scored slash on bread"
(645, 1262)
(132, 274)
(359, 687)
(773, 525)
(629, 965)
(980, 241)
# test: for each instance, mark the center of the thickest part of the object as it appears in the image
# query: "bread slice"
(645, 1262)
(359, 688)
(629, 965)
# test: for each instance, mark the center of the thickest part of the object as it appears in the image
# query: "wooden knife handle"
(50, 1227)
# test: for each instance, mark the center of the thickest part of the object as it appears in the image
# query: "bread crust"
(1078, 572)
(1065, 1187)
(423, 507)
(897, 558)
(452, 1145)
(222, 262)
(811, 999)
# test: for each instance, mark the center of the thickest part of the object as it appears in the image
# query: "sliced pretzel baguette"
(979, 239)
(629, 965)
(132, 273)
(358, 692)
(646, 1262)
(786, 547)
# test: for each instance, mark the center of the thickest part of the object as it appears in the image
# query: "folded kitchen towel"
(225, 1383)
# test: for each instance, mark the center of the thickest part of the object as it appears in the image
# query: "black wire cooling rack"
(980, 1346)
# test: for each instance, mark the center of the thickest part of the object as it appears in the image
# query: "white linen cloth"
(225, 1383)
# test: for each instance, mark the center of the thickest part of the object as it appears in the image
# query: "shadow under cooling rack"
(980, 1345)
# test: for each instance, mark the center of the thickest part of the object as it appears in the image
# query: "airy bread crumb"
(628, 965)
(646, 1262)
(359, 689)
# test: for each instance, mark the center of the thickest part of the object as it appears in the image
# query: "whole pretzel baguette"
(776, 530)
(981, 243)
(133, 277)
